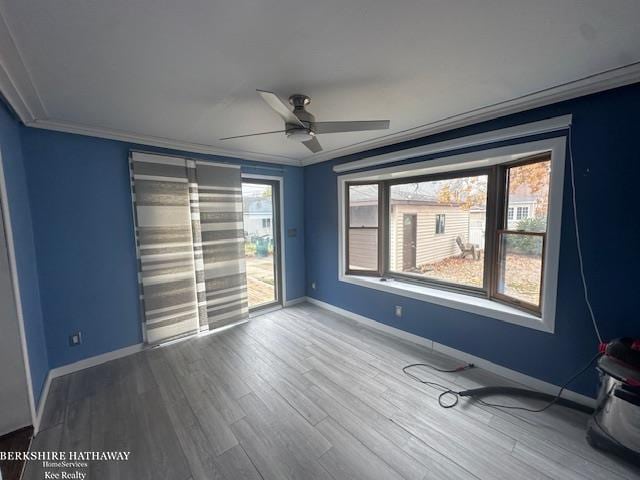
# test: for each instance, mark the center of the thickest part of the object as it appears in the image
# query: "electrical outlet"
(313, 285)
(75, 339)
(398, 311)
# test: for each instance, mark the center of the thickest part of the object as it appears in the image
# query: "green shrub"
(534, 224)
(527, 244)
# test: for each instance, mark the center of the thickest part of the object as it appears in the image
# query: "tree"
(465, 191)
(534, 179)
(530, 179)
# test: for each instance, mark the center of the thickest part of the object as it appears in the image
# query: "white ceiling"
(185, 72)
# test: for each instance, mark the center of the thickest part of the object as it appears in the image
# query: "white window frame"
(461, 301)
(247, 177)
(524, 210)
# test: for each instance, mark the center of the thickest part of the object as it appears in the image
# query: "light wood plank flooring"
(302, 393)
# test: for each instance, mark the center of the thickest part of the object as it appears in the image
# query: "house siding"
(431, 247)
(363, 249)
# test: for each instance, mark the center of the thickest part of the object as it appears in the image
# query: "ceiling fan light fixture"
(301, 126)
(300, 134)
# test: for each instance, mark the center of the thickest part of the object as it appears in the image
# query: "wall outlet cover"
(75, 339)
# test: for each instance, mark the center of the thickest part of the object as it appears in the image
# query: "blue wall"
(605, 148)
(81, 209)
(12, 161)
(74, 190)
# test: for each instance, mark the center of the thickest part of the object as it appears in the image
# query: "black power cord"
(457, 394)
(444, 370)
(445, 390)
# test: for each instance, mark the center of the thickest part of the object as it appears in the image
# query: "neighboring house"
(424, 230)
(520, 207)
(477, 225)
(257, 216)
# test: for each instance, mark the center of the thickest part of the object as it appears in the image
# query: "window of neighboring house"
(363, 232)
(521, 212)
(479, 252)
(266, 223)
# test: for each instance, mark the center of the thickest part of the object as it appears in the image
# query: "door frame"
(8, 232)
(281, 276)
(414, 239)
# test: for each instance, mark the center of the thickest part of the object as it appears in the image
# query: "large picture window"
(480, 232)
(430, 232)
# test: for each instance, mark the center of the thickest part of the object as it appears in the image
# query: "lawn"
(522, 274)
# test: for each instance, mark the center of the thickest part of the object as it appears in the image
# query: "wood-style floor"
(17, 441)
(304, 394)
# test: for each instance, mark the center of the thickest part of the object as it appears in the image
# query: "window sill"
(459, 301)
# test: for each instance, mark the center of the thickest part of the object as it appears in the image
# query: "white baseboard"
(396, 332)
(295, 301)
(93, 361)
(512, 375)
(42, 402)
(106, 357)
(75, 367)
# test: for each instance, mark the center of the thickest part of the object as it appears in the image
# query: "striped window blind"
(190, 245)
(222, 249)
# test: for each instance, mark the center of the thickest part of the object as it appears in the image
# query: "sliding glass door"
(190, 245)
(261, 212)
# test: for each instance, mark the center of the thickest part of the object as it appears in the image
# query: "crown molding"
(159, 142)
(12, 94)
(16, 83)
(599, 82)
(553, 124)
(18, 88)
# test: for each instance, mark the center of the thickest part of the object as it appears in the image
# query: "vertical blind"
(222, 230)
(190, 244)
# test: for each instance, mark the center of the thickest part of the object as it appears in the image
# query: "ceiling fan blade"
(280, 107)
(357, 126)
(252, 134)
(313, 145)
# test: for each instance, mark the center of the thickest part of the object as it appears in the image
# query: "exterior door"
(409, 233)
(261, 216)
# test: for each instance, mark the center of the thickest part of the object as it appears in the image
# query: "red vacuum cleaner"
(615, 424)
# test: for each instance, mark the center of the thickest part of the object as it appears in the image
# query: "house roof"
(424, 194)
(421, 193)
(522, 198)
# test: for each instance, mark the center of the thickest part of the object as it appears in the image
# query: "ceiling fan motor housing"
(301, 126)
(295, 132)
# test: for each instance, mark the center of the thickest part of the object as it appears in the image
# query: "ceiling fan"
(300, 125)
